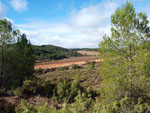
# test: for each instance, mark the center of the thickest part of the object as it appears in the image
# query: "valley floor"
(67, 62)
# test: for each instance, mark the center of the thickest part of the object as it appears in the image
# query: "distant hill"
(51, 52)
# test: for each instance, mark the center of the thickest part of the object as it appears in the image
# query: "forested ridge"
(119, 84)
(51, 52)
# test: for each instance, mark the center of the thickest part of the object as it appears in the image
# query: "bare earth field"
(70, 61)
(67, 62)
(94, 53)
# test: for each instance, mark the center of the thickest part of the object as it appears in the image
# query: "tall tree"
(24, 64)
(6, 37)
(126, 64)
(16, 56)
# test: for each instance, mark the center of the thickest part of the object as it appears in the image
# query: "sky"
(65, 23)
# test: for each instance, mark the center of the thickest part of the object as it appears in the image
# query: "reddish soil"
(88, 52)
(67, 62)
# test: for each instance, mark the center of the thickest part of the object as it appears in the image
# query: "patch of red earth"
(67, 62)
(88, 52)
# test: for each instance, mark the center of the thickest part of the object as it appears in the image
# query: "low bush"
(39, 71)
(91, 65)
(35, 86)
(63, 68)
(62, 90)
(29, 87)
(18, 92)
(93, 93)
(66, 91)
(76, 66)
(82, 104)
(45, 89)
(25, 107)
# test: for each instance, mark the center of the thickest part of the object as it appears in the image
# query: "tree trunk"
(2, 66)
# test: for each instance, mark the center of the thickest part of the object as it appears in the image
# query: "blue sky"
(66, 23)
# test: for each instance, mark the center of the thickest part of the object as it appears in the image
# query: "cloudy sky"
(66, 23)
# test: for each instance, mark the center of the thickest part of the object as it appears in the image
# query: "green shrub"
(29, 87)
(63, 68)
(62, 91)
(82, 103)
(39, 71)
(93, 93)
(35, 86)
(124, 105)
(24, 107)
(91, 65)
(66, 90)
(45, 89)
(76, 66)
(18, 92)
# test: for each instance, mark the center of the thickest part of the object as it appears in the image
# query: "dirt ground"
(94, 53)
(67, 62)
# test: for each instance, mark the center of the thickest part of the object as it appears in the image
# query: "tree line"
(50, 52)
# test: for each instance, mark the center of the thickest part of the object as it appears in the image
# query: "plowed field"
(67, 62)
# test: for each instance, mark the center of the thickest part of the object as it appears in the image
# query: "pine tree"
(23, 67)
(6, 38)
(16, 56)
(125, 71)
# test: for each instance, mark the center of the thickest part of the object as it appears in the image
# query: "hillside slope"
(51, 52)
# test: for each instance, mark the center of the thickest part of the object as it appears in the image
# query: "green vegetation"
(121, 87)
(16, 57)
(33, 87)
(76, 66)
(88, 78)
(125, 71)
(81, 104)
(66, 91)
(50, 52)
(91, 66)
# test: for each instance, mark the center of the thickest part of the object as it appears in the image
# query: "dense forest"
(50, 52)
(123, 76)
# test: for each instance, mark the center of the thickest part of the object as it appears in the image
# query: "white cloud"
(19, 5)
(93, 16)
(2, 9)
(85, 28)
